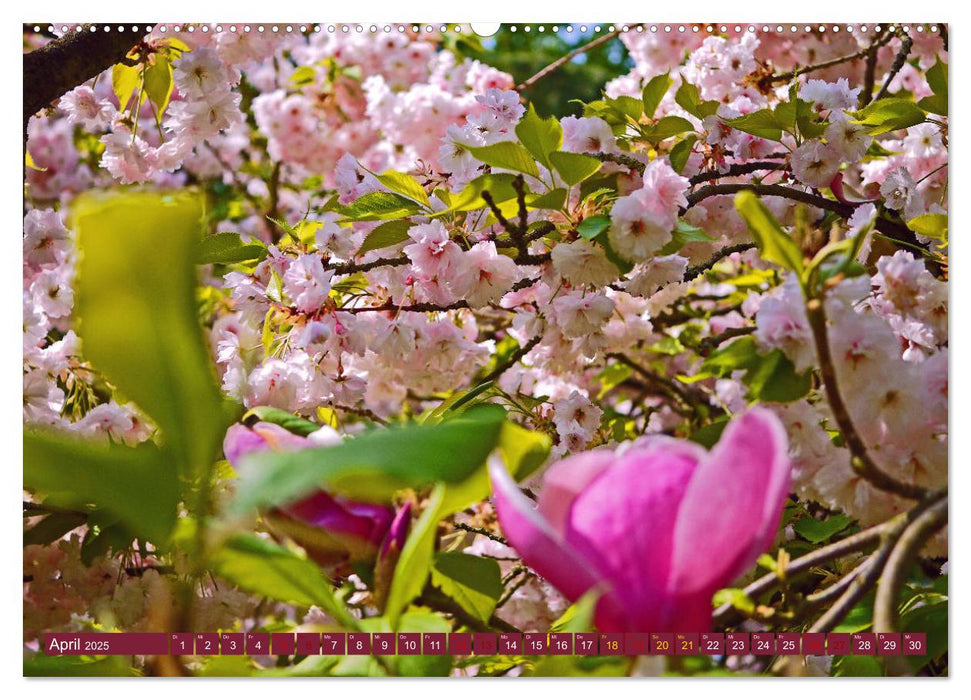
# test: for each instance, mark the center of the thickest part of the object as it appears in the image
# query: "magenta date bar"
(333, 643)
(181, 643)
(586, 643)
(486, 643)
(711, 643)
(106, 643)
(612, 644)
(763, 643)
(914, 643)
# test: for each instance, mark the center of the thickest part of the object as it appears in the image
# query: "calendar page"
(436, 349)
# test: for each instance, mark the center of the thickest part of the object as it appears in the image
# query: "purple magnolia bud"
(659, 528)
(333, 530)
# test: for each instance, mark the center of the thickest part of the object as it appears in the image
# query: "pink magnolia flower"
(657, 528)
(332, 530)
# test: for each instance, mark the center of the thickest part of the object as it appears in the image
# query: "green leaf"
(612, 376)
(937, 80)
(137, 315)
(764, 123)
(303, 75)
(423, 665)
(774, 379)
(579, 616)
(414, 565)
(403, 184)
(524, 450)
(667, 127)
(654, 92)
(889, 114)
(708, 435)
(681, 152)
(857, 666)
(736, 597)
(378, 206)
(229, 248)
(540, 136)
(134, 484)
(387, 234)
(40, 665)
(158, 84)
(683, 234)
(773, 242)
(472, 582)
(554, 199)
(499, 186)
(593, 226)
(373, 466)
(508, 155)
(770, 377)
(53, 527)
(690, 100)
(265, 568)
(817, 531)
(285, 419)
(931, 619)
(930, 225)
(125, 80)
(574, 167)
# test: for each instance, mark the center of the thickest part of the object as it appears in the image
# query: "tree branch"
(863, 463)
(566, 58)
(886, 617)
(65, 63)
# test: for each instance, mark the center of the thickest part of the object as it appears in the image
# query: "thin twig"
(734, 170)
(350, 268)
(886, 613)
(512, 359)
(566, 58)
(788, 75)
(620, 159)
(481, 531)
(863, 463)
(898, 62)
(700, 268)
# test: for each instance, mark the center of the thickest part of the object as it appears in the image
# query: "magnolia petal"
(536, 542)
(623, 522)
(731, 510)
(564, 481)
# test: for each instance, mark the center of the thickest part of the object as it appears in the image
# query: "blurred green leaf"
(373, 466)
(472, 582)
(285, 419)
(817, 531)
(930, 225)
(137, 315)
(135, 484)
(265, 568)
(414, 564)
(774, 243)
(229, 248)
